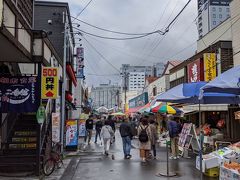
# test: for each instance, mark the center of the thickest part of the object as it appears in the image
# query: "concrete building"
(127, 68)
(136, 81)
(106, 95)
(211, 13)
(50, 17)
(235, 9)
(158, 69)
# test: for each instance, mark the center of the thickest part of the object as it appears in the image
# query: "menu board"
(184, 134)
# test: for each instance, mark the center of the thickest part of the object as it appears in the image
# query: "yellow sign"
(210, 66)
(49, 89)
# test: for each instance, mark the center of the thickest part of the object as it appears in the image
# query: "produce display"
(233, 166)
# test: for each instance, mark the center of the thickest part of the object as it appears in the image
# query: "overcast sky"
(134, 16)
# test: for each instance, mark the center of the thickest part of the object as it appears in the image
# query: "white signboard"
(56, 127)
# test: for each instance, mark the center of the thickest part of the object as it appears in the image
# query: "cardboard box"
(208, 162)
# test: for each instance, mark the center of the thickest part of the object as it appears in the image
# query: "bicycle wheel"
(48, 167)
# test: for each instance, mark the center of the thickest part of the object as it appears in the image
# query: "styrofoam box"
(207, 163)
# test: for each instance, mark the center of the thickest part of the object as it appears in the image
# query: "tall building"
(136, 81)
(158, 69)
(106, 95)
(210, 14)
(126, 69)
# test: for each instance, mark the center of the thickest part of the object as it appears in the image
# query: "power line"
(84, 8)
(105, 59)
(90, 74)
(115, 38)
(116, 32)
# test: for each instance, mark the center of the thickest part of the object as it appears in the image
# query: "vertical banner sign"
(80, 62)
(210, 66)
(71, 133)
(49, 88)
(56, 127)
(19, 94)
(194, 71)
(82, 128)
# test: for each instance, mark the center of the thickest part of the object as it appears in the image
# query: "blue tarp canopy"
(227, 82)
(189, 93)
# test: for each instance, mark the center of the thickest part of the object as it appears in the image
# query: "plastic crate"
(212, 172)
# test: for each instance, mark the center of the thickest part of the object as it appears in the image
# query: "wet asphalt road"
(92, 165)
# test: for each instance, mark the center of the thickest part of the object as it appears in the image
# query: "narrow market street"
(91, 164)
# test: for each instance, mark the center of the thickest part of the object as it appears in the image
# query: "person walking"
(154, 138)
(106, 134)
(126, 134)
(98, 128)
(89, 129)
(144, 136)
(173, 129)
(111, 123)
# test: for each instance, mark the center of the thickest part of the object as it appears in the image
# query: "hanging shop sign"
(82, 128)
(139, 101)
(41, 114)
(237, 115)
(80, 73)
(71, 133)
(195, 71)
(80, 62)
(19, 94)
(210, 66)
(49, 86)
(56, 127)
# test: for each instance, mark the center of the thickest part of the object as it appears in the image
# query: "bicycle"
(55, 160)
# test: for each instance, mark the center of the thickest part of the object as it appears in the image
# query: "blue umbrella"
(189, 93)
(227, 82)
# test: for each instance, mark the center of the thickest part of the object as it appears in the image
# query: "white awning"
(206, 107)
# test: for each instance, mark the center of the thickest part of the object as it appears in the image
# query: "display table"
(228, 174)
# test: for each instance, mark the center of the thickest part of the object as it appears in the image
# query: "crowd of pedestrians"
(144, 130)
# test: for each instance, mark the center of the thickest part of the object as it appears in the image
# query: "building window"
(220, 16)
(228, 15)
(214, 22)
(214, 15)
(220, 9)
(214, 9)
(227, 9)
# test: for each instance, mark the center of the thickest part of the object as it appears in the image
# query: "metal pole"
(64, 80)
(125, 89)
(200, 140)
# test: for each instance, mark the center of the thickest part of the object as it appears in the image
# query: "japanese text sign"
(19, 94)
(210, 69)
(80, 62)
(49, 88)
(195, 72)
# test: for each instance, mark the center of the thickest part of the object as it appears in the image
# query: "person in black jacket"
(126, 134)
(98, 128)
(89, 129)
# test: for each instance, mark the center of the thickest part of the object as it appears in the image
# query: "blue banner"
(80, 73)
(71, 133)
(19, 94)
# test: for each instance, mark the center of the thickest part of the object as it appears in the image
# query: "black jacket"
(125, 130)
(99, 125)
(89, 124)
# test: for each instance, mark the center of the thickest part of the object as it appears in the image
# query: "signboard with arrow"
(49, 88)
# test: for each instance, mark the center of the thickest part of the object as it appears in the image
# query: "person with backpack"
(106, 134)
(98, 128)
(173, 129)
(144, 136)
(126, 134)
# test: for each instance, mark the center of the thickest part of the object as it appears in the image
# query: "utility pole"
(63, 81)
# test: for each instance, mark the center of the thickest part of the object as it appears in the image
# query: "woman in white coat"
(106, 135)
